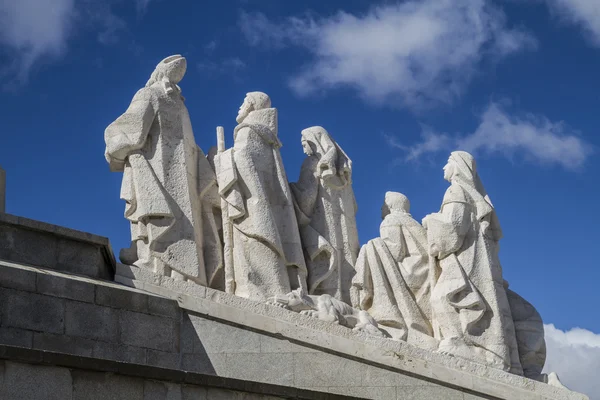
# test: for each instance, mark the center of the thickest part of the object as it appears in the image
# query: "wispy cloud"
(231, 65)
(534, 137)
(575, 356)
(585, 13)
(32, 31)
(412, 53)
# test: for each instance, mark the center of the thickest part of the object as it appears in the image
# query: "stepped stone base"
(50, 246)
(212, 333)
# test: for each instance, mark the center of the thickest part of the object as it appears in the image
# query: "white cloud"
(412, 53)
(575, 356)
(33, 30)
(534, 137)
(585, 13)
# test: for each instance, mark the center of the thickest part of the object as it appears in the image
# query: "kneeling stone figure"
(327, 308)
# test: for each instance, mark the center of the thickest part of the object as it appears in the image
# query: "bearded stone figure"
(471, 312)
(168, 185)
(267, 257)
(326, 211)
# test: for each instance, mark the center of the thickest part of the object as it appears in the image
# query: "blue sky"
(398, 84)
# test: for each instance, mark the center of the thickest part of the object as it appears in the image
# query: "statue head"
(170, 70)
(395, 202)
(460, 165)
(253, 101)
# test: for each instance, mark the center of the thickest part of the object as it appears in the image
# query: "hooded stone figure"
(168, 185)
(392, 281)
(326, 211)
(266, 247)
(471, 313)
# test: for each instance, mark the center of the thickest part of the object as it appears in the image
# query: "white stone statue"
(264, 240)
(393, 279)
(471, 314)
(326, 211)
(168, 185)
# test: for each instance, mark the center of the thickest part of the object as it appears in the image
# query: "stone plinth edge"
(385, 353)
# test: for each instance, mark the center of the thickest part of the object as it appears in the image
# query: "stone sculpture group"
(230, 220)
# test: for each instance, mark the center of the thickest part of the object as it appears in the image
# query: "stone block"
(270, 344)
(214, 337)
(16, 337)
(16, 278)
(81, 258)
(374, 376)
(261, 367)
(193, 392)
(162, 359)
(63, 344)
(209, 364)
(25, 381)
(28, 246)
(32, 311)
(163, 306)
(119, 352)
(91, 321)
(366, 392)
(315, 370)
(154, 390)
(427, 392)
(60, 286)
(150, 331)
(105, 386)
(121, 298)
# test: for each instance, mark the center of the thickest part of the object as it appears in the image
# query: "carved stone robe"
(392, 277)
(326, 210)
(168, 186)
(471, 313)
(267, 252)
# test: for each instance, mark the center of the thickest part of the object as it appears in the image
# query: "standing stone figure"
(168, 185)
(326, 211)
(392, 279)
(471, 314)
(266, 247)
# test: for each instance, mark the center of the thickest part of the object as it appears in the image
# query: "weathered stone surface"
(150, 331)
(16, 337)
(58, 286)
(119, 352)
(23, 381)
(32, 311)
(91, 321)
(154, 390)
(115, 298)
(95, 386)
(63, 344)
(20, 279)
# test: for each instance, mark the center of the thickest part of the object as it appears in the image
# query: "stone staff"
(227, 226)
